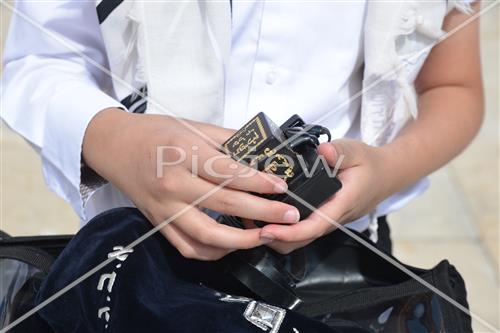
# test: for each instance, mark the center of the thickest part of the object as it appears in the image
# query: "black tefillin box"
(287, 151)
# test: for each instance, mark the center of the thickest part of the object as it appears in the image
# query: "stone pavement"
(456, 219)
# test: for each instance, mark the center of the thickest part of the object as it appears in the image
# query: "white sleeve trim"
(70, 110)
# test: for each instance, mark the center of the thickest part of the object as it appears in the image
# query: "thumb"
(347, 152)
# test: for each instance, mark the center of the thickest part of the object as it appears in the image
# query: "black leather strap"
(273, 276)
(264, 275)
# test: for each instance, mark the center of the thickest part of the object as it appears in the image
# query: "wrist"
(390, 170)
(103, 133)
(404, 162)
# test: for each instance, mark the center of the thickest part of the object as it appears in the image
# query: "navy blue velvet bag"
(154, 289)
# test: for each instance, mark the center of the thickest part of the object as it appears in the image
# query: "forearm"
(449, 118)
(450, 104)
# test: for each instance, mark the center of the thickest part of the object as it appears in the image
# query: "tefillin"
(289, 152)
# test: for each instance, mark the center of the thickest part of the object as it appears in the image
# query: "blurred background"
(456, 219)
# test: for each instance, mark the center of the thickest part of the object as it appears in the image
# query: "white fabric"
(296, 58)
(50, 93)
(191, 83)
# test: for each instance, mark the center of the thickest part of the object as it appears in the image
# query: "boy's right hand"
(126, 149)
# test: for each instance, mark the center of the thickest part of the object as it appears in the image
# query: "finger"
(188, 247)
(217, 133)
(240, 204)
(217, 168)
(320, 222)
(207, 231)
(185, 188)
(350, 151)
(286, 248)
(299, 232)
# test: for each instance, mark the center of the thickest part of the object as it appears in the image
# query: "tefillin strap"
(302, 134)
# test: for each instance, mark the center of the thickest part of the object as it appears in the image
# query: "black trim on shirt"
(105, 8)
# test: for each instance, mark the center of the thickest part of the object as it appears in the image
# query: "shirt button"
(271, 76)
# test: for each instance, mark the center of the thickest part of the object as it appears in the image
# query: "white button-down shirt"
(296, 58)
(286, 58)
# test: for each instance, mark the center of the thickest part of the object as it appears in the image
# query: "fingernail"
(280, 187)
(291, 216)
(266, 238)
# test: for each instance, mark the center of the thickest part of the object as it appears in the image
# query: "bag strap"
(32, 256)
(38, 251)
(52, 245)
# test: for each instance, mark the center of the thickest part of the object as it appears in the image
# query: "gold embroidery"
(247, 139)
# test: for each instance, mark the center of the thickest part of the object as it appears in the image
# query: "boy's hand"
(363, 187)
(125, 149)
(450, 103)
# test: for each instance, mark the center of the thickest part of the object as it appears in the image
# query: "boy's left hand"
(450, 112)
(364, 185)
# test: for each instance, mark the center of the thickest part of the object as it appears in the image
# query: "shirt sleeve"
(52, 85)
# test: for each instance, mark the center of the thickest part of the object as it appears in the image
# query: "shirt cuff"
(71, 108)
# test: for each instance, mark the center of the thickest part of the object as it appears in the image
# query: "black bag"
(155, 289)
(338, 277)
(24, 264)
